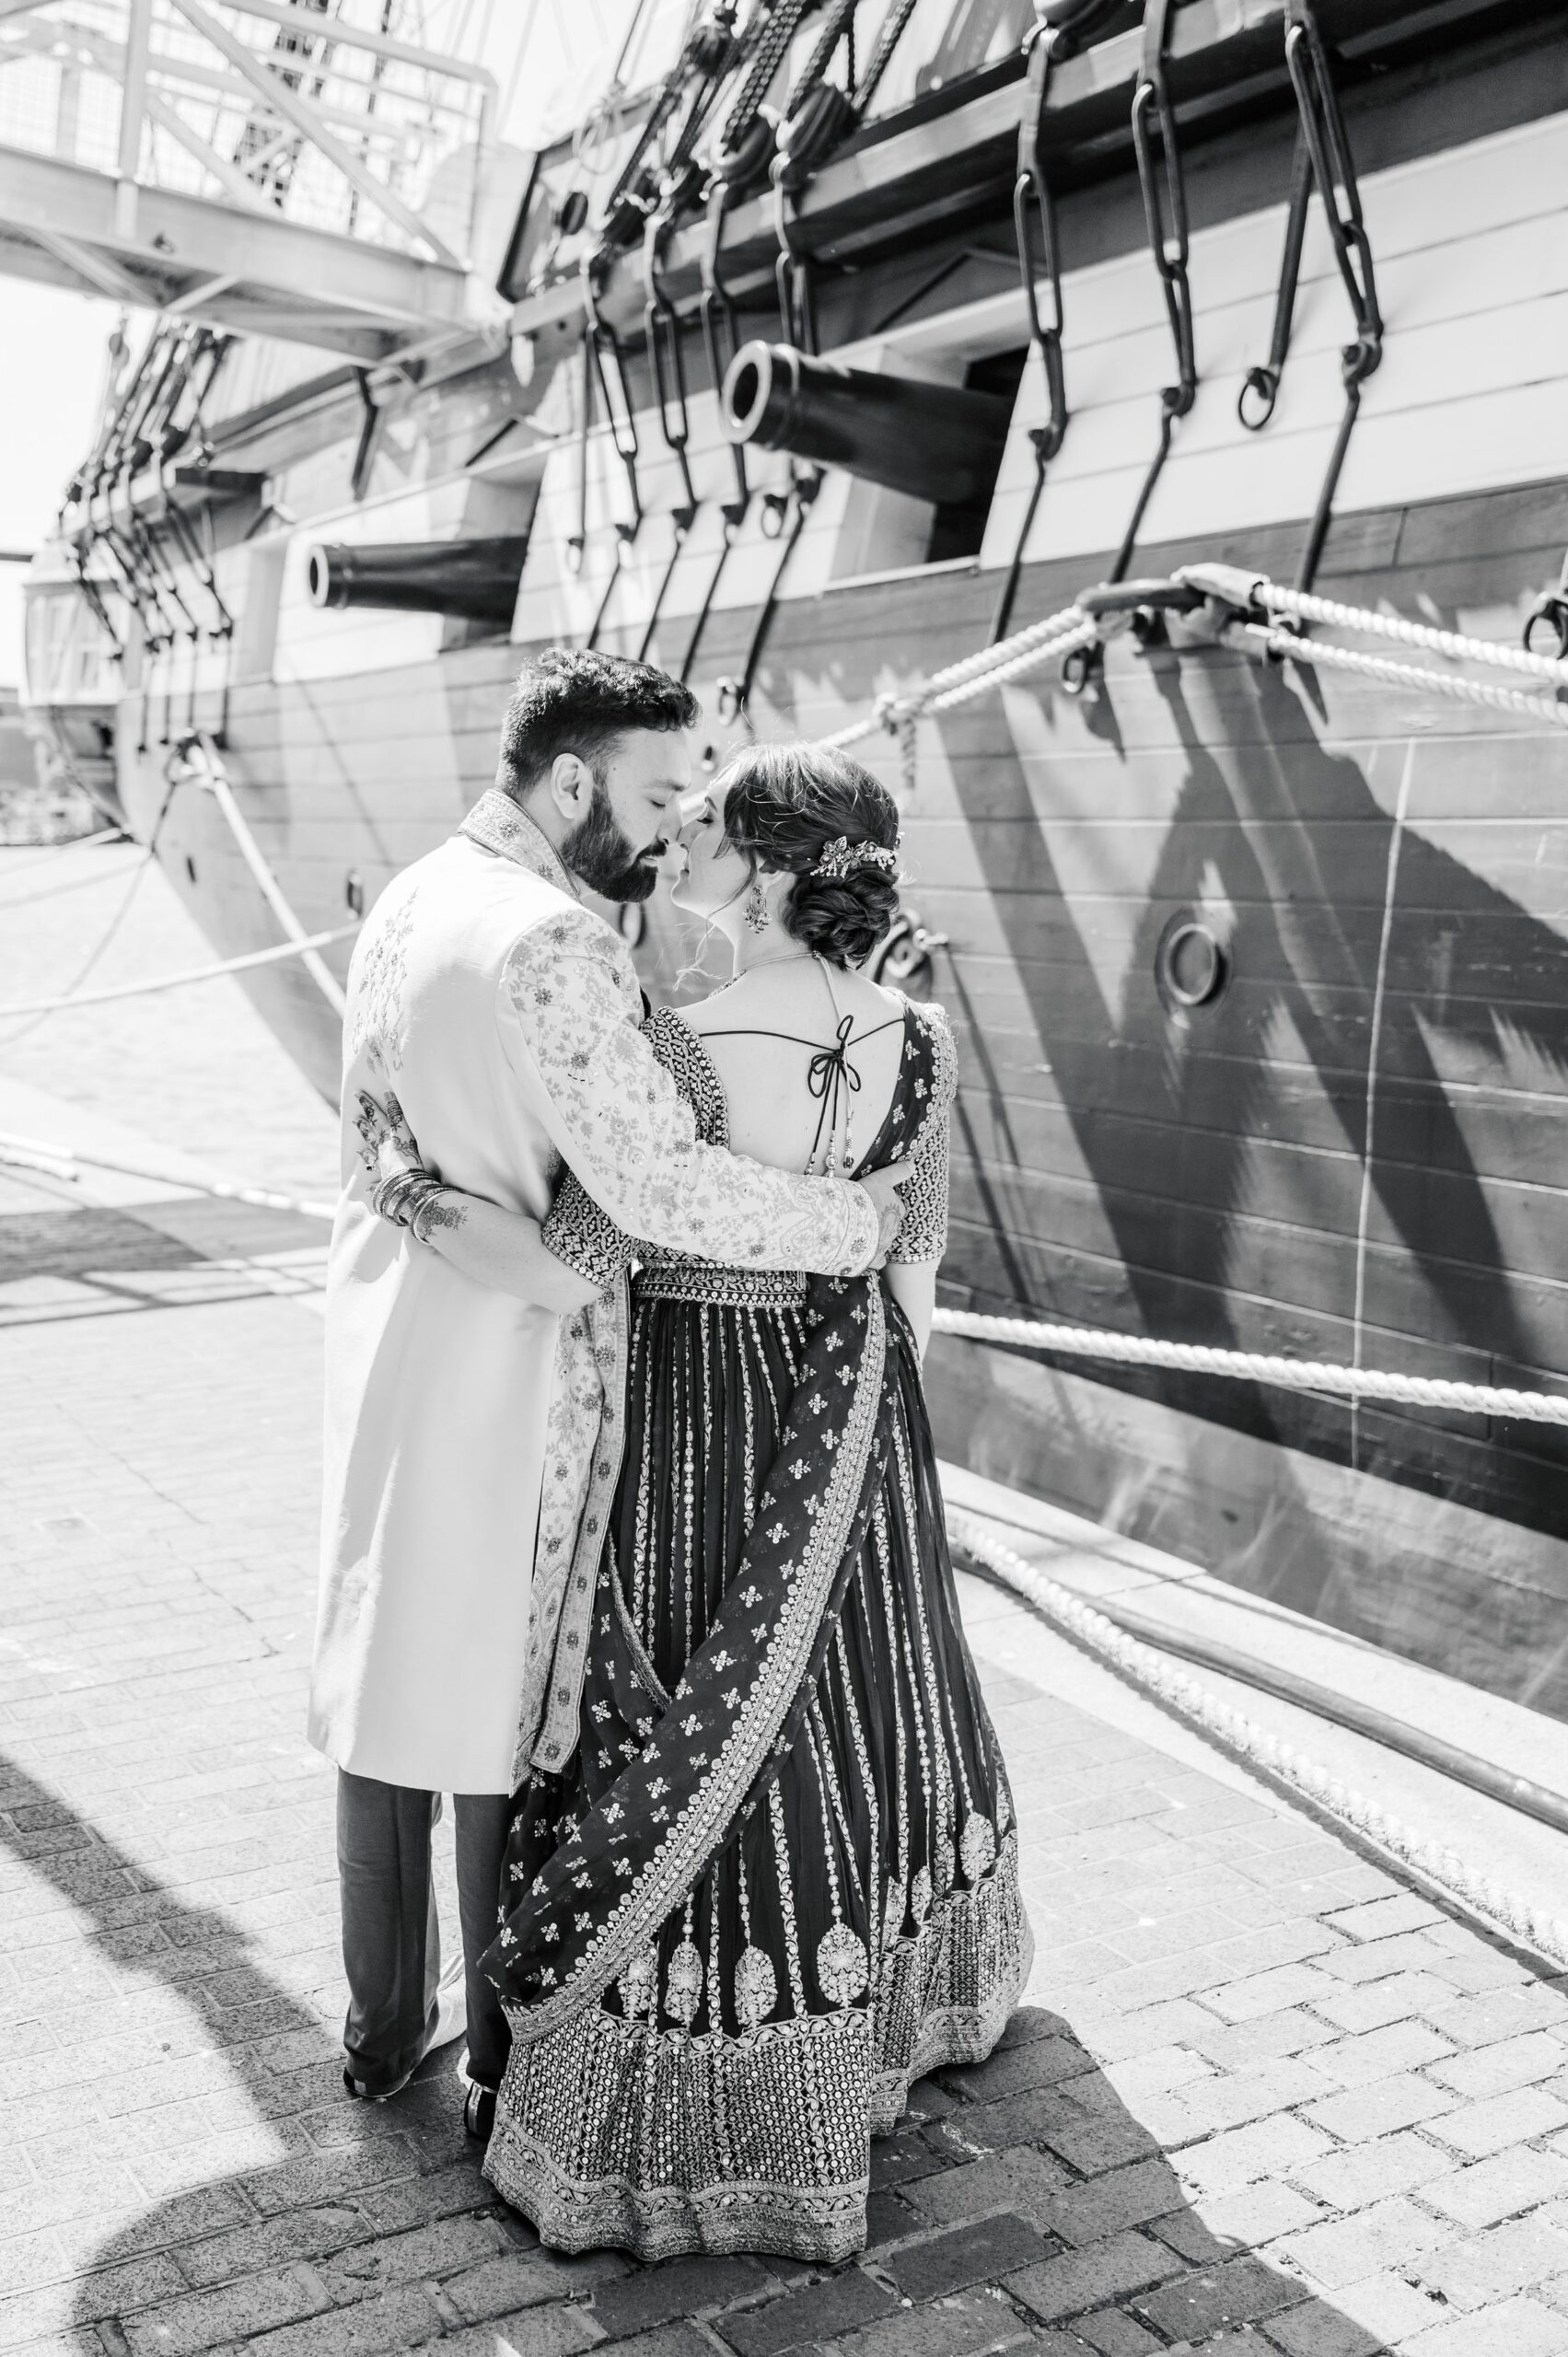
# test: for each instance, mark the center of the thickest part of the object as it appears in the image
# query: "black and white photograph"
(784, 1177)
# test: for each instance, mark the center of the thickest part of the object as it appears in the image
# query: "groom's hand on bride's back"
(882, 1186)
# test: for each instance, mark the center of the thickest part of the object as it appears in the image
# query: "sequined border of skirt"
(608, 2132)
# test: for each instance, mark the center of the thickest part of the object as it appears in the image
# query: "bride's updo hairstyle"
(790, 808)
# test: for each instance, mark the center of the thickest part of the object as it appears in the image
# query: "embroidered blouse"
(580, 1232)
(634, 1142)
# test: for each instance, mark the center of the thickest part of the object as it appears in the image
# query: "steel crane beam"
(68, 226)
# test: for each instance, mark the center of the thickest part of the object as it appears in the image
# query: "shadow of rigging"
(1173, 1114)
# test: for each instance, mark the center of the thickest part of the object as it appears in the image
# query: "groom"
(505, 1016)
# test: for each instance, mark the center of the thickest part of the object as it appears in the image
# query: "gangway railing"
(291, 166)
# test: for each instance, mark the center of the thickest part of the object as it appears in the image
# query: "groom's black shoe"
(479, 2113)
(383, 2095)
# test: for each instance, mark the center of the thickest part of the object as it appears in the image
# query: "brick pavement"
(1262, 2101)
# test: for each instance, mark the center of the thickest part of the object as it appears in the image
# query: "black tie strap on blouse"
(829, 1075)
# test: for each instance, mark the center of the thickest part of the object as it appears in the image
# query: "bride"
(775, 1879)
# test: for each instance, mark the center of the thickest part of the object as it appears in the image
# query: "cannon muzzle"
(476, 580)
(937, 442)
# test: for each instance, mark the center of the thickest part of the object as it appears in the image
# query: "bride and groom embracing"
(633, 1537)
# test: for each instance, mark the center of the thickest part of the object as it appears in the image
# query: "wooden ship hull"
(1345, 1146)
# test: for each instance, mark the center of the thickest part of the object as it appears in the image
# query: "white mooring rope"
(1277, 639)
(1076, 626)
(1533, 1923)
(68, 1161)
(272, 956)
(1257, 1366)
(1059, 633)
(1457, 644)
(209, 771)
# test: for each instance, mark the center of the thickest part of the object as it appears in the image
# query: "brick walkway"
(1260, 2099)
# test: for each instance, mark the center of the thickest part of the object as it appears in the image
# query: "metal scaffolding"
(269, 167)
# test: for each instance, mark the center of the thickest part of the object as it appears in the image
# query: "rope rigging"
(818, 116)
(1532, 1920)
(133, 515)
(1258, 1366)
(708, 55)
(650, 192)
(744, 148)
(1246, 611)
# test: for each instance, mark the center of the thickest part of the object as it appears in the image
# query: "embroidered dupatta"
(696, 1758)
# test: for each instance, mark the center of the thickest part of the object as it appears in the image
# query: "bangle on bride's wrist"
(413, 1201)
(390, 1199)
(424, 1213)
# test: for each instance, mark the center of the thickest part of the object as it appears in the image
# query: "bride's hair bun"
(798, 808)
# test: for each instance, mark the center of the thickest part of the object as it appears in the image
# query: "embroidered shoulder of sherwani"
(509, 1016)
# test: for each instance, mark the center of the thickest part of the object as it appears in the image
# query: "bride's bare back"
(774, 1113)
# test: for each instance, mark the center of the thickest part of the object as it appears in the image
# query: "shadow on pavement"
(1020, 2203)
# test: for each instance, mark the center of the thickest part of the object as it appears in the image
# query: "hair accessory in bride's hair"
(841, 857)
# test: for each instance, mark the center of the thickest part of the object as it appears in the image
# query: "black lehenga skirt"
(854, 1919)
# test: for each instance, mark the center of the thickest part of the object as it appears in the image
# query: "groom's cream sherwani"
(504, 1016)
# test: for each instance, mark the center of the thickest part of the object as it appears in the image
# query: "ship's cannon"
(937, 442)
(475, 580)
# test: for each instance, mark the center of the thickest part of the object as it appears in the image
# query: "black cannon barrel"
(937, 442)
(474, 579)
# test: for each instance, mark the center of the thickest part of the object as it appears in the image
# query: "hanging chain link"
(1165, 210)
(1323, 131)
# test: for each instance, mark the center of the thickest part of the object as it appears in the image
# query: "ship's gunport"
(472, 580)
(937, 442)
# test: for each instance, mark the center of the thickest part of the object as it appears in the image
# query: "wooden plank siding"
(1205, 1174)
(1357, 1149)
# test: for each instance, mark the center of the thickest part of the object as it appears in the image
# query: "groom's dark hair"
(569, 699)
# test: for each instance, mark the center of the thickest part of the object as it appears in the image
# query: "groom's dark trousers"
(392, 1945)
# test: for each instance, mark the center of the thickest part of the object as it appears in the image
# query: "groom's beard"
(599, 853)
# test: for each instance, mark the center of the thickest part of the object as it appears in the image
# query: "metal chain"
(1323, 130)
(1529, 1920)
(1165, 212)
(1261, 386)
(1032, 204)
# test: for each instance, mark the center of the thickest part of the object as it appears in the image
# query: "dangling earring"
(755, 910)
